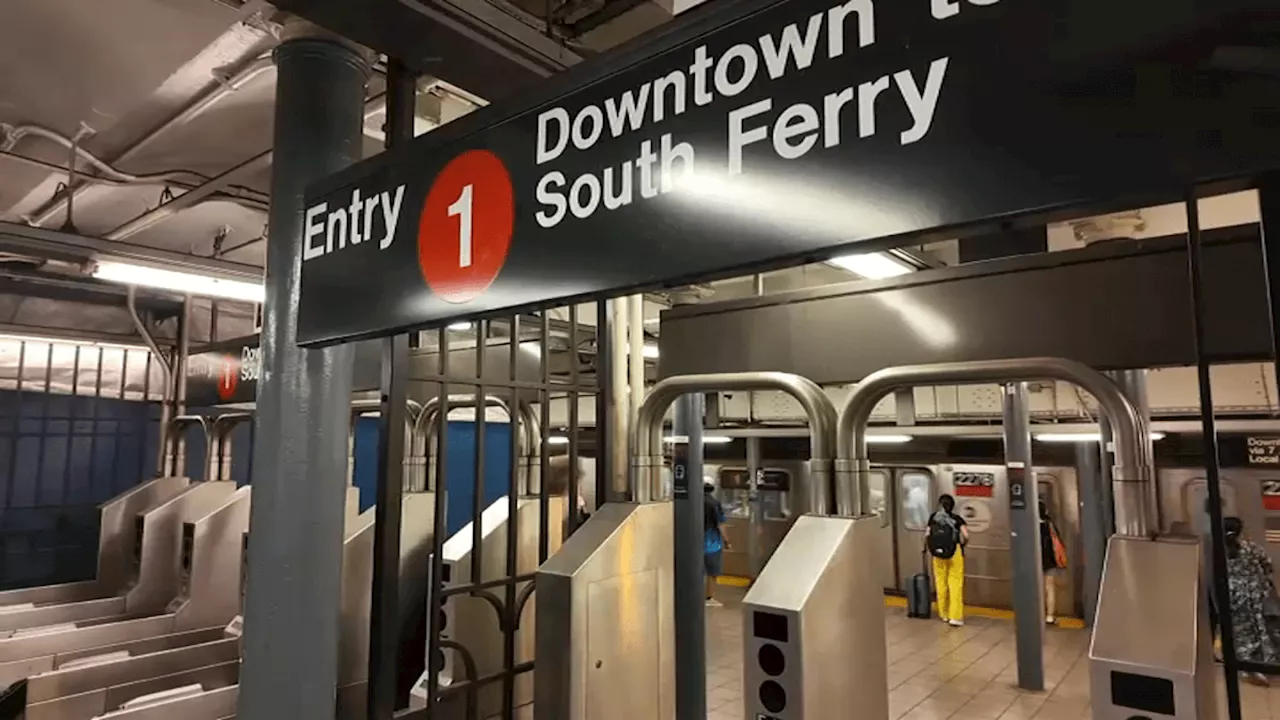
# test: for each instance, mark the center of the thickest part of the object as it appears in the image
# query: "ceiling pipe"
(207, 99)
(166, 371)
(199, 194)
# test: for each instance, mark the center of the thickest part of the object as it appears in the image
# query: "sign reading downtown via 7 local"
(766, 133)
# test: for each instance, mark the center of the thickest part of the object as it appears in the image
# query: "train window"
(915, 499)
(877, 481)
(1195, 493)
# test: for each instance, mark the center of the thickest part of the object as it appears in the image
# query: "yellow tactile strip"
(1068, 623)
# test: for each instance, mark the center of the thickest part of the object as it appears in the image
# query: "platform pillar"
(303, 410)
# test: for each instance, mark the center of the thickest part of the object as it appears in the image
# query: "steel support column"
(1221, 591)
(1093, 531)
(689, 605)
(1269, 208)
(299, 480)
(1024, 525)
(755, 507)
(384, 621)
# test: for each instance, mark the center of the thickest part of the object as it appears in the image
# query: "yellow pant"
(948, 579)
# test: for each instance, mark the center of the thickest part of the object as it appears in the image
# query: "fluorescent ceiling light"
(888, 439)
(706, 439)
(557, 440)
(460, 326)
(650, 351)
(179, 282)
(873, 266)
(1080, 437)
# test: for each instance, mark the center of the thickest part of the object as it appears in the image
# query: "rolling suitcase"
(918, 600)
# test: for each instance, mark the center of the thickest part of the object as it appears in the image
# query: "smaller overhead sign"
(1263, 450)
(1017, 486)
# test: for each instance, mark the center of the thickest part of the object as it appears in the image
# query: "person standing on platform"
(1053, 560)
(945, 539)
(715, 543)
(1253, 598)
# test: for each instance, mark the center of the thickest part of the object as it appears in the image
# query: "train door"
(880, 487)
(1057, 490)
(914, 499)
(981, 494)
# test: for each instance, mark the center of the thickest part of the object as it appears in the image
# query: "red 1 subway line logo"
(465, 228)
(839, 114)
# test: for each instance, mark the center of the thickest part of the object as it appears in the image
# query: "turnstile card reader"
(156, 539)
(1152, 652)
(159, 544)
(209, 564)
(417, 518)
(605, 633)
(115, 547)
(814, 636)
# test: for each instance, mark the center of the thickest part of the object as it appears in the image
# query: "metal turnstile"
(814, 636)
(190, 701)
(86, 683)
(416, 526)
(116, 569)
(149, 609)
(1152, 650)
(605, 636)
(471, 622)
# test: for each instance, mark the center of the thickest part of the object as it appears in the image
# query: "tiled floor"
(938, 673)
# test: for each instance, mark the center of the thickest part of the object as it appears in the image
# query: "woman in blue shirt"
(714, 541)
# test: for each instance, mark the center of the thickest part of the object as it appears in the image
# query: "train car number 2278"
(974, 484)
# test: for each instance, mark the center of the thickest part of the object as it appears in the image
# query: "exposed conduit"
(202, 102)
(198, 194)
(166, 370)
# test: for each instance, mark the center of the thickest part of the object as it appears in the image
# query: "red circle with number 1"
(465, 228)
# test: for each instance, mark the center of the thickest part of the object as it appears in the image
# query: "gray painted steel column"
(1107, 461)
(1093, 536)
(753, 504)
(384, 621)
(689, 605)
(1024, 526)
(299, 470)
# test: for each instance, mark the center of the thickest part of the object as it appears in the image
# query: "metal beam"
(473, 44)
(68, 247)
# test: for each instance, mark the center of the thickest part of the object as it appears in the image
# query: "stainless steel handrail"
(647, 463)
(1133, 478)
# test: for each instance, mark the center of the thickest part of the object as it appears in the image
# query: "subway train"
(903, 493)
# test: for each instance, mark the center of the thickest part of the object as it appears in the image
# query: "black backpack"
(944, 535)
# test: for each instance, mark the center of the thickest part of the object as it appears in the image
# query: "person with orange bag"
(1053, 559)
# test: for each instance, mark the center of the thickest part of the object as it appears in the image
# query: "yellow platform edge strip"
(1067, 623)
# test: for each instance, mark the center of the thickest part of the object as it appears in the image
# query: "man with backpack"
(945, 539)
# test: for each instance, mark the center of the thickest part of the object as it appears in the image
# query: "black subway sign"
(1263, 450)
(761, 133)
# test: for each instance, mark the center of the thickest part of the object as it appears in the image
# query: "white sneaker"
(1051, 620)
(943, 619)
(956, 623)
(714, 603)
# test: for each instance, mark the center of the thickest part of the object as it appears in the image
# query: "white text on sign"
(356, 223)
(792, 131)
